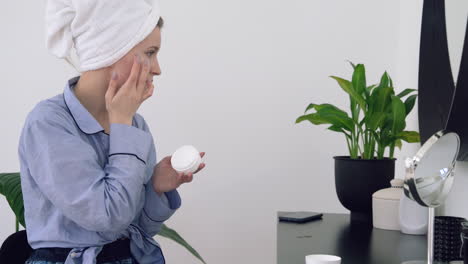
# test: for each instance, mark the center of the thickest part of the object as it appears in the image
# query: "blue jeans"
(124, 261)
(58, 257)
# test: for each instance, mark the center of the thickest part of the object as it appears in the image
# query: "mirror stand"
(430, 236)
(430, 241)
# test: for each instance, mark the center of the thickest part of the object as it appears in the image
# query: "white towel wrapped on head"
(100, 31)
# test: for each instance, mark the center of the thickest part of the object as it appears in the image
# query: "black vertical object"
(436, 86)
(458, 119)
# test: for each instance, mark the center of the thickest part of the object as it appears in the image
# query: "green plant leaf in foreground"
(173, 235)
(10, 187)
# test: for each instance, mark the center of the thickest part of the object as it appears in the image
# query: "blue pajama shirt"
(84, 188)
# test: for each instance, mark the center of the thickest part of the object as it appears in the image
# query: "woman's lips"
(149, 83)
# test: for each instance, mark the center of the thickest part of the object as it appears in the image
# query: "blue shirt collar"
(83, 118)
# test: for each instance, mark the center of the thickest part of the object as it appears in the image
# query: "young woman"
(93, 192)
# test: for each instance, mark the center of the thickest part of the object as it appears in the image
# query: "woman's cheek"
(125, 71)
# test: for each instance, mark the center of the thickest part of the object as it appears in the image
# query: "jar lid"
(184, 157)
(393, 193)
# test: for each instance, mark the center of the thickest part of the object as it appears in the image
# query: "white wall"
(250, 68)
(236, 74)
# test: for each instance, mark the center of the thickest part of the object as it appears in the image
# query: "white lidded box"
(186, 159)
(386, 206)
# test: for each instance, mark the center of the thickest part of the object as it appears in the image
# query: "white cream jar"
(186, 159)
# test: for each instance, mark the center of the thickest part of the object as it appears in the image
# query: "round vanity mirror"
(429, 177)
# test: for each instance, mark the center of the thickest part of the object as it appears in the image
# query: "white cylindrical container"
(322, 259)
(186, 159)
(413, 217)
(385, 204)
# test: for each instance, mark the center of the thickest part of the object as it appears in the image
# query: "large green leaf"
(384, 81)
(313, 118)
(375, 120)
(382, 99)
(310, 106)
(347, 86)
(386, 137)
(398, 143)
(319, 107)
(352, 64)
(409, 136)
(388, 122)
(359, 79)
(335, 118)
(406, 92)
(409, 103)
(390, 82)
(398, 115)
(328, 116)
(369, 90)
(336, 129)
(379, 100)
(10, 187)
(332, 108)
(173, 235)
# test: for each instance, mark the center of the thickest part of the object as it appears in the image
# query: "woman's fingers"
(183, 178)
(135, 72)
(143, 77)
(187, 177)
(200, 167)
(112, 88)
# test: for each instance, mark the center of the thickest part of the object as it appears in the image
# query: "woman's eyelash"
(150, 53)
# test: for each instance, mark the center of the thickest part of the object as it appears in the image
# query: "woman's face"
(147, 50)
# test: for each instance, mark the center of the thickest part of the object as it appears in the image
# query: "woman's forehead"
(153, 39)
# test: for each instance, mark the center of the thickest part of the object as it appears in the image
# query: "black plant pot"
(357, 179)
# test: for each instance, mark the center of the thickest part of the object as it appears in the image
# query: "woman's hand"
(166, 179)
(122, 103)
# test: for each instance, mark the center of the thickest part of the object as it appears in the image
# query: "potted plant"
(10, 187)
(375, 126)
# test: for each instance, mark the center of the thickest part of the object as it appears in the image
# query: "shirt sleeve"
(156, 209)
(66, 169)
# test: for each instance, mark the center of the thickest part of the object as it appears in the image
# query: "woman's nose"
(155, 69)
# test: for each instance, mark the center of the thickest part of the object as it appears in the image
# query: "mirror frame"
(409, 186)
